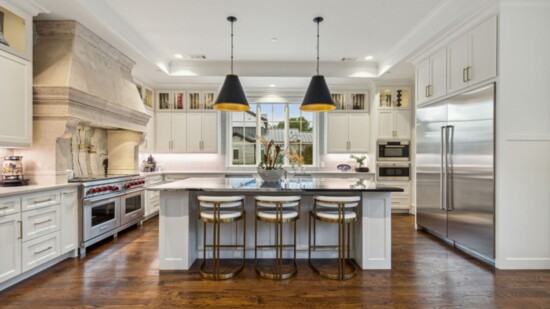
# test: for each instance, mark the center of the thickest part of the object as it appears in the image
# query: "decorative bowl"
(361, 169)
(344, 167)
(273, 175)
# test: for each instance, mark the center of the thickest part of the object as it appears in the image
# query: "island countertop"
(257, 185)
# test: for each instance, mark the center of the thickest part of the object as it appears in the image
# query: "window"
(286, 124)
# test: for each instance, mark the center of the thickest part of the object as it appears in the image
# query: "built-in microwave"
(393, 150)
(394, 171)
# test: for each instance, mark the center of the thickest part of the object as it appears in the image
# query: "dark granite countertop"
(256, 184)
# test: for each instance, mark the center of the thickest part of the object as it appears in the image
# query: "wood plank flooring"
(426, 274)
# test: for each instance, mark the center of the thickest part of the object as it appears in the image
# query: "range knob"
(103, 189)
(116, 188)
(142, 181)
(93, 190)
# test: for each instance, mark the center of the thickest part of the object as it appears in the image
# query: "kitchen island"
(180, 242)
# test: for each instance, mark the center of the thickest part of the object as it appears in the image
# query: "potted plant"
(296, 161)
(360, 160)
(270, 167)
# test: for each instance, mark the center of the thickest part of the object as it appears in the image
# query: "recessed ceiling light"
(272, 85)
(369, 57)
(178, 56)
(274, 39)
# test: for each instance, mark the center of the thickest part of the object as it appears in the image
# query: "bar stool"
(278, 210)
(210, 211)
(340, 210)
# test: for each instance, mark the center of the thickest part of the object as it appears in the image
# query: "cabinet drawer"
(39, 200)
(10, 205)
(40, 222)
(40, 250)
(400, 203)
(405, 186)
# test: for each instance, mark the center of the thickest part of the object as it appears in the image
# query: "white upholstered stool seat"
(271, 201)
(223, 214)
(348, 215)
(271, 214)
(224, 201)
(332, 201)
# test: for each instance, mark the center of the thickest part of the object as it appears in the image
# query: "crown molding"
(28, 6)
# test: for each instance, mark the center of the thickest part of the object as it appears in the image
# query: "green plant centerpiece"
(360, 160)
(270, 167)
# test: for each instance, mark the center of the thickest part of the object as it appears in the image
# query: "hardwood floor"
(425, 274)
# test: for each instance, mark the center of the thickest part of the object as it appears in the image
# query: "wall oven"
(394, 171)
(393, 150)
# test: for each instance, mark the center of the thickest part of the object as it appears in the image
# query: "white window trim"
(229, 137)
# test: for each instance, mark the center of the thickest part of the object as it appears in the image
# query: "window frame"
(229, 136)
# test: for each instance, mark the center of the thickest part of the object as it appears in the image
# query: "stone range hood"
(81, 84)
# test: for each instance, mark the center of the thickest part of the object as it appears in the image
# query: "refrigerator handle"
(449, 166)
(443, 169)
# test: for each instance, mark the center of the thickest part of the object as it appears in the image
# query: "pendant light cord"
(232, 47)
(318, 47)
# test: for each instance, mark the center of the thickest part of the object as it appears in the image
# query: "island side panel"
(373, 232)
(177, 239)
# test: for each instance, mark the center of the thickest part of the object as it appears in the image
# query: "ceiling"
(152, 32)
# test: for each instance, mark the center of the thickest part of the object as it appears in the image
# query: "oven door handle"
(134, 191)
(90, 201)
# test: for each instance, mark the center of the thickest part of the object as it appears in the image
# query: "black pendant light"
(318, 98)
(231, 97)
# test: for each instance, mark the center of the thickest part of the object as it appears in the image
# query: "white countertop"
(7, 191)
(230, 172)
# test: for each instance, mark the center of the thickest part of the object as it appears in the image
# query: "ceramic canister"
(13, 168)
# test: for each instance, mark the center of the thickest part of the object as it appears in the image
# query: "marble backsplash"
(89, 149)
(4, 152)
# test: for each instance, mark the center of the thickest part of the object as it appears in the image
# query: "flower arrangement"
(359, 159)
(272, 155)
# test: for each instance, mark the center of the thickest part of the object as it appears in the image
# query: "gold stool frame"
(216, 223)
(279, 245)
(344, 243)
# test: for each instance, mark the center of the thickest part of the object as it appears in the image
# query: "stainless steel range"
(108, 206)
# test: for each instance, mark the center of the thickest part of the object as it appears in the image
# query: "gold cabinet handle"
(20, 229)
(426, 91)
(43, 250)
(42, 201)
(468, 73)
(464, 75)
(69, 193)
(41, 222)
(5, 207)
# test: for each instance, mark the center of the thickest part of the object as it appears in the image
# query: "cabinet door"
(15, 101)
(337, 132)
(422, 81)
(69, 221)
(483, 57)
(385, 124)
(402, 124)
(163, 132)
(359, 132)
(210, 132)
(438, 79)
(10, 242)
(194, 128)
(179, 132)
(457, 62)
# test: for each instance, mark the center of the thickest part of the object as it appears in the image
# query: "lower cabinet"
(399, 200)
(40, 227)
(152, 198)
(10, 242)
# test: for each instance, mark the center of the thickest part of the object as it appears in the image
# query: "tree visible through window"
(286, 124)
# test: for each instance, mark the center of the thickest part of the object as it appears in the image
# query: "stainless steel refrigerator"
(455, 170)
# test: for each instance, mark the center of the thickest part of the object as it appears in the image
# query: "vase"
(399, 98)
(2, 37)
(273, 175)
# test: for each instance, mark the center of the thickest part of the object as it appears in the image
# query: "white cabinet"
(69, 220)
(205, 140)
(10, 205)
(40, 250)
(10, 242)
(40, 222)
(399, 200)
(348, 132)
(394, 124)
(152, 198)
(357, 101)
(15, 101)
(472, 58)
(171, 132)
(431, 77)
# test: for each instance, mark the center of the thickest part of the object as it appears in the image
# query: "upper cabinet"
(472, 58)
(348, 132)
(394, 98)
(431, 77)
(16, 33)
(394, 113)
(351, 101)
(15, 78)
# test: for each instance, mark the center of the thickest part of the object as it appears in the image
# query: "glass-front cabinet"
(351, 101)
(394, 98)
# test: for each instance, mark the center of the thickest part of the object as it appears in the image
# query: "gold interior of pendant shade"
(317, 107)
(231, 107)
